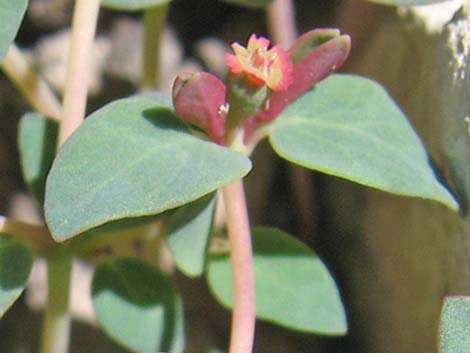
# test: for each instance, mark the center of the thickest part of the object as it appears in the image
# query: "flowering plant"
(163, 180)
(261, 83)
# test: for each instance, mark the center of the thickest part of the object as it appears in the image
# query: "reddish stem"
(243, 317)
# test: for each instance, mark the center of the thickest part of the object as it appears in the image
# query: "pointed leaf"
(132, 158)
(138, 306)
(293, 286)
(349, 127)
(16, 261)
(455, 325)
(11, 15)
(189, 229)
(132, 5)
(37, 140)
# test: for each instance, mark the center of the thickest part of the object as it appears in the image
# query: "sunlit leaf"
(132, 158)
(293, 287)
(349, 127)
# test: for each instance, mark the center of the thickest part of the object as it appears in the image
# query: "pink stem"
(79, 66)
(243, 317)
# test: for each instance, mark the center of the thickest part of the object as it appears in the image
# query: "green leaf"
(132, 5)
(408, 2)
(349, 127)
(37, 139)
(455, 325)
(11, 15)
(132, 158)
(189, 229)
(293, 286)
(138, 307)
(250, 3)
(16, 261)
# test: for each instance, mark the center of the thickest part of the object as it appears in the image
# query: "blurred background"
(394, 258)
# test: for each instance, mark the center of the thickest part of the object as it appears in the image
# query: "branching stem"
(35, 235)
(243, 317)
(30, 83)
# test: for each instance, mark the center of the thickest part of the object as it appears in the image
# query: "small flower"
(262, 66)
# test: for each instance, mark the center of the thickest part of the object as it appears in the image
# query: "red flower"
(262, 66)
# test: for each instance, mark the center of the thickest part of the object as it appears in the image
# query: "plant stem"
(30, 83)
(281, 22)
(56, 326)
(79, 66)
(243, 317)
(35, 235)
(154, 24)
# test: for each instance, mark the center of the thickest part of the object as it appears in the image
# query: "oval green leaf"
(16, 261)
(132, 5)
(11, 15)
(349, 127)
(455, 325)
(189, 229)
(37, 140)
(138, 307)
(250, 3)
(132, 158)
(293, 287)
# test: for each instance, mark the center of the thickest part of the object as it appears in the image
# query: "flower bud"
(199, 100)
